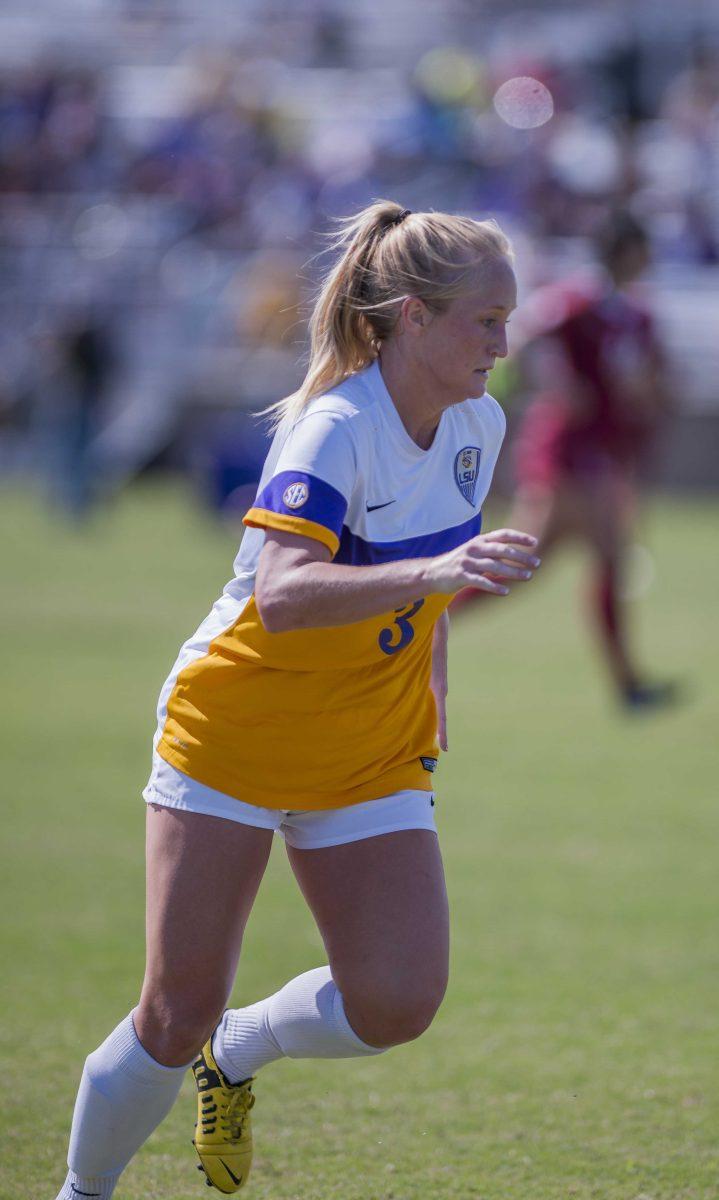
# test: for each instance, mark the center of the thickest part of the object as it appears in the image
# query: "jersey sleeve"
(312, 483)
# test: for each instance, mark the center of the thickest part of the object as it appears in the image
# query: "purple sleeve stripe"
(298, 494)
(355, 551)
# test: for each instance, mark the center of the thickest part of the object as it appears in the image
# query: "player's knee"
(178, 1042)
(174, 1028)
(397, 1017)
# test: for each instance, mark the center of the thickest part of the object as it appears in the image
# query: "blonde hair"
(386, 253)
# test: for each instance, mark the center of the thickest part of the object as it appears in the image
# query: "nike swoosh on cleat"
(231, 1174)
(374, 507)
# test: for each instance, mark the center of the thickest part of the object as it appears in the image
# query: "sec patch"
(295, 495)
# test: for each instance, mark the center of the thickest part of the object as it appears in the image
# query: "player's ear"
(414, 316)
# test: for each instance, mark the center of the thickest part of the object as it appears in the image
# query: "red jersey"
(602, 413)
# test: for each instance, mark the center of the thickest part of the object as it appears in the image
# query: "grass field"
(576, 1053)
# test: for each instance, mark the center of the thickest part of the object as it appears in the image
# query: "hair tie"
(406, 212)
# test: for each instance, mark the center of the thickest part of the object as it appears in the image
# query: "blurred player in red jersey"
(602, 396)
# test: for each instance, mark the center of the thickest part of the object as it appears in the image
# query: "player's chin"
(479, 382)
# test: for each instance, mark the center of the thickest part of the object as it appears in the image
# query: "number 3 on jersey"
(398, 635)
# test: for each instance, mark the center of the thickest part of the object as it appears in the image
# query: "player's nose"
(500, 348)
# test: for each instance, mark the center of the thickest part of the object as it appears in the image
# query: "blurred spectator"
(691, 108)
(74, 369)
(164, 181)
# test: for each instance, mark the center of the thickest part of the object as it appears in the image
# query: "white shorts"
(309, 830)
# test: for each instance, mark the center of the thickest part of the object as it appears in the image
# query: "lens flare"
(524, 103)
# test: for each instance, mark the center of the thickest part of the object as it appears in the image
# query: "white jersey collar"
(408, 445)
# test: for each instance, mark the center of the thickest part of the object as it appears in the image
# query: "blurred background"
(167, 178)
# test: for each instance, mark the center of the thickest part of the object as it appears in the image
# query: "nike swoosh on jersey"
(373, 507)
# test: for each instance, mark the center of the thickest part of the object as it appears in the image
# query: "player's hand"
(489, 562)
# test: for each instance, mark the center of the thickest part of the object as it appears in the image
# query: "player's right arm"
(298, 587)
(302, 508)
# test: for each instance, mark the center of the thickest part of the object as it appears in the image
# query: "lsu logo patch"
(295, 495)
(466, 472)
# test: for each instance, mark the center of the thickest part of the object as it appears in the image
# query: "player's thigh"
(607, 515)
(380, 904)
(203, 873)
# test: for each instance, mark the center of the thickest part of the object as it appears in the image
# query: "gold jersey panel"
(309, 719)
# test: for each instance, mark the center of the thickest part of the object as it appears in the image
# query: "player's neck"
(414, 398)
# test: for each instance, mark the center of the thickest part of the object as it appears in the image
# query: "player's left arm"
(438, 680)
(658, 380)
(648, 388)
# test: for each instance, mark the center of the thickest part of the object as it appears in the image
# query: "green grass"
(576, 1053)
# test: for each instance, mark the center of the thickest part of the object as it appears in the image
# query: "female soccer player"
(583, 438)
(310, 699)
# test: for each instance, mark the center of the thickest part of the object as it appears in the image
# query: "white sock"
(305, 1019)
(124, 1094)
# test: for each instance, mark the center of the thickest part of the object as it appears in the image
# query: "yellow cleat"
(223, 1132)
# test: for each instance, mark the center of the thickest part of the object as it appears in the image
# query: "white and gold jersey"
(321, 718)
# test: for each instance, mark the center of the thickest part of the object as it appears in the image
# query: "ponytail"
(385, 254)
